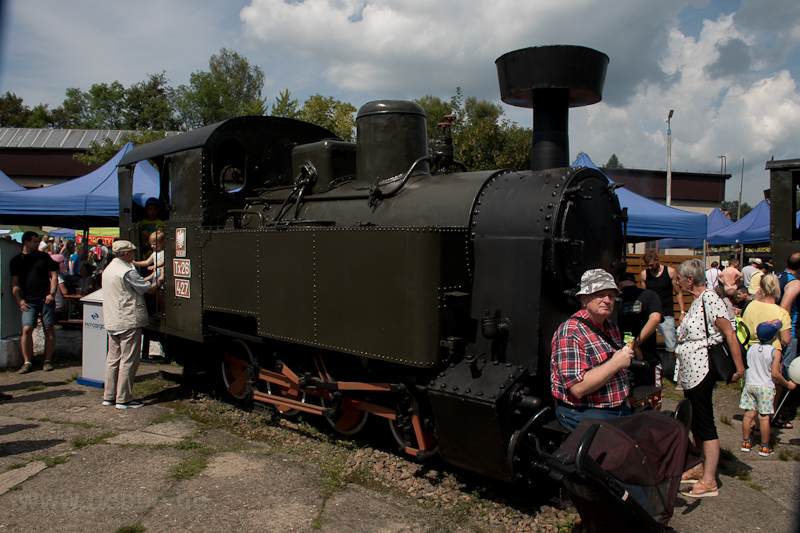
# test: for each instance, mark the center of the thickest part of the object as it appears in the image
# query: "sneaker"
(47, 366)
(27, 368)
(133, 404)
(746, 446)
(109, 402)
(765, 451)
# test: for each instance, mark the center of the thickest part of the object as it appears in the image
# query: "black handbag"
(720, 363)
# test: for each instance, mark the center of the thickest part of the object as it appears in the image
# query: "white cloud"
(732, 83)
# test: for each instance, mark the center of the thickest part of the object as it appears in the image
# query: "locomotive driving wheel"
(348, 418)
(237, 369)
(273, 389)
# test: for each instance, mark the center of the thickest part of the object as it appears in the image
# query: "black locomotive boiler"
(350, 280)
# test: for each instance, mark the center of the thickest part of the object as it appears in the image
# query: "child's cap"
(151, 201)
(766, 331)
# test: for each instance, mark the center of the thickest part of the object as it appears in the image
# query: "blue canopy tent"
(7, 184)
(649, 220)
(753, 228)
(715, 221)
(91, 200)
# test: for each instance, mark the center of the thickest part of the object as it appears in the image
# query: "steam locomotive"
(376, 278)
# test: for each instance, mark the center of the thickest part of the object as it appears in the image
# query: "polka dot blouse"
(692, 346)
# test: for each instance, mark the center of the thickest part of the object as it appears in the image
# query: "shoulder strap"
(598, 331)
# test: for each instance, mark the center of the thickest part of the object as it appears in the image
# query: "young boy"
(763, 369)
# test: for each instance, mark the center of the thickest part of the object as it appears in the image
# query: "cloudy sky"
(728, 68)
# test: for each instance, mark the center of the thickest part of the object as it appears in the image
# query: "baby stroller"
(624, 474)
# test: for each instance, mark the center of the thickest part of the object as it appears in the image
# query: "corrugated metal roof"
(57, 139)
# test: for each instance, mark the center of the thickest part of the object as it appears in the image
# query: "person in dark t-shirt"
(34, 282)
(640, 315)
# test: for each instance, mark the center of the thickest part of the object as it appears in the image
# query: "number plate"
(182, 288)
(182, 268)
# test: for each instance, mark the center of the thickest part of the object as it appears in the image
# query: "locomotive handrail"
(375, 193)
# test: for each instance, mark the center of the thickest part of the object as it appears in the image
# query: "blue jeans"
(35, 309)
(667, 330)
(569, 417)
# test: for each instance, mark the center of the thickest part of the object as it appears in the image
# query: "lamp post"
(723, 164)
(669, 158)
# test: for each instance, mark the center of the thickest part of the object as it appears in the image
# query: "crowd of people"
(47, 272)
(754, 312)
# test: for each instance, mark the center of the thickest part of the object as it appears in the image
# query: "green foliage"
(435, 111)
(137, 528)
(12, 113)
(732, 208)
(150, 105)
(105, 106)
(284, 105)
(331, 114)
(483, 139)
(99, 153)
(231, 88)
(613, 162)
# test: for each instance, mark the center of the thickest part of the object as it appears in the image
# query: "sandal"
(691, 476)
(701, 490)
(781, 424)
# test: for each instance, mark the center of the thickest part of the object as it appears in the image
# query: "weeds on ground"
(15, 466)
(187, 444)
(50, 462)
(97, 439)
(725, 419)
(190, 468)
(132, 529)
(742, 475)
(755, 486)
(34, 388)
(149, 387)
(788, 455)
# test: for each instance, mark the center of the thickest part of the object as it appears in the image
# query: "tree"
(284, 105)
(613, 162)
(482, 110)
(732, 208)
(12, 113)
(105, 106)
(231, 88)
(99, 153)
(435, 111)
(150, 105)
(331, 114)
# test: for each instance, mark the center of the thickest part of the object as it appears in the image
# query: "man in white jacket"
(124, 314)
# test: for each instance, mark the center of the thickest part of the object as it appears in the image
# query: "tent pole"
(705, 254)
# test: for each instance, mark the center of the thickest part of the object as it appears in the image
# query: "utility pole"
(739, 216)
(669, 158)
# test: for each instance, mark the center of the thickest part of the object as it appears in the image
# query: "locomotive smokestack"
(552, 79)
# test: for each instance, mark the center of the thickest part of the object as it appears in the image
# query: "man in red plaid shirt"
(588, 374)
